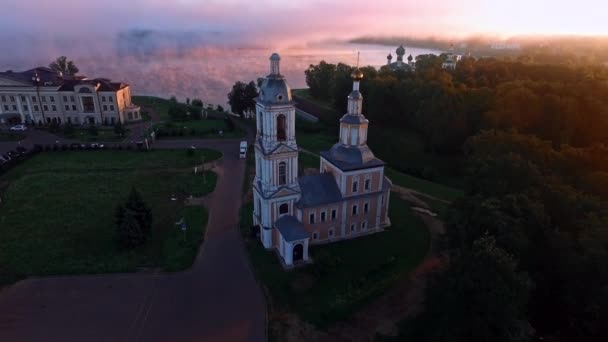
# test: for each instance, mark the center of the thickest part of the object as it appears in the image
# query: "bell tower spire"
(353, 125)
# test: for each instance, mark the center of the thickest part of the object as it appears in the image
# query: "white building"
(44, 96)
(348, 198)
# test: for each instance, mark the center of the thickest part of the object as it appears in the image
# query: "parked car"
(19, 128)
(21, 149)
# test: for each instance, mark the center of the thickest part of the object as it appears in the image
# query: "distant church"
(349, 198)
(400, 64)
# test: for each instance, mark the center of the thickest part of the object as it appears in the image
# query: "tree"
(119, 129)
(128, 232)
(141, 212)
(68, 129)
(481, 297)
(319, 79)
(242, 97)
(197, 103)
(61, 64)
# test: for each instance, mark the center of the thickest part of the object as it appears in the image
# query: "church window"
(281, 127)
(333, 214)
(355, 186)
(364, 225)
(353, 136)
(323, 216)
(355, 210)
(261, 124)
(283, 209)
(367, 184)
(282, 173)
(315, 236)
(366, 207)
(311, 218)
(330, 232)
(352, 227)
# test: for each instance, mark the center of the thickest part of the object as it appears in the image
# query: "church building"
(400, 64)
(347, 199)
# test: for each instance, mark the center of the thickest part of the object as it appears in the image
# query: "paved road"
(217, 300)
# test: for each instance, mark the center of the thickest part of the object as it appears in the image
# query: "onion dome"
(389, 57)
(410, 58)
(400, 50)
(357, 75)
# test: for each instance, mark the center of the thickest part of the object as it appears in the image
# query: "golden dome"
(357, 75)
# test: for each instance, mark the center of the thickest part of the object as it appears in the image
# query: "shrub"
(93, 130)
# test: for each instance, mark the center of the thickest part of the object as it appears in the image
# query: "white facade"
(41, 96)
(276, 160)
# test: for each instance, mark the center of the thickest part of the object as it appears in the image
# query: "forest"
(528, 243)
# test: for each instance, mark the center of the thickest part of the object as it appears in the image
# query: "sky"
(296, 21)
(198, 48)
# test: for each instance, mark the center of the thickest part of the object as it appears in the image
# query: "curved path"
(217, 300)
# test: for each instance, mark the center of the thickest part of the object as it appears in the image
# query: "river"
(206, 72)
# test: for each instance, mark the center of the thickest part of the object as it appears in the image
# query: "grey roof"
(317, 190)
(275, 90)
(291, 228)
(400, 65)
(354, 119)
(349, 158)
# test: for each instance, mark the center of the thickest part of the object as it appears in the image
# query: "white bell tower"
(275, 186)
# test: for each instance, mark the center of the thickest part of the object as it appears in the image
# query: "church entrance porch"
(293, 241)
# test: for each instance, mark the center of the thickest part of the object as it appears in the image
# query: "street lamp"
(36, 80)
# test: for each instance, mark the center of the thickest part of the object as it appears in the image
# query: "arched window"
(282, 173)
(261, 124)
(283, 209)
(281, 126)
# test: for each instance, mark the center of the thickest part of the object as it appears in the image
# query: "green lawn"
(57, 211)
(345, 275)
(424, 186)
(307, 161)
(11, 136)
(205, 128)
(159, 104)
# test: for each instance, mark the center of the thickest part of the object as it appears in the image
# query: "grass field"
(205, 128)
(57, 211)
(159, 104)
(345, 275)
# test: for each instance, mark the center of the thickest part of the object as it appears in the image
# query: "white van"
(243, 149)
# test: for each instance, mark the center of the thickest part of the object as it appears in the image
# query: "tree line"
(528, 243)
